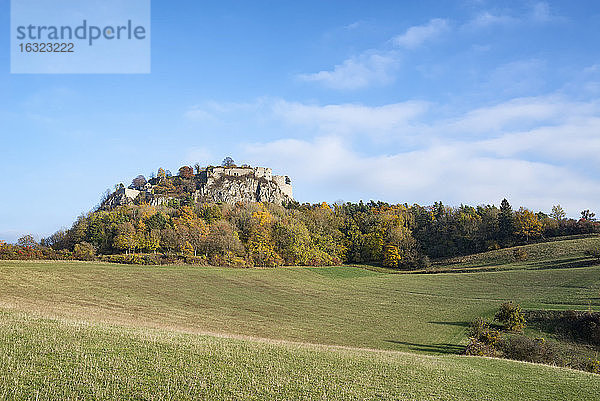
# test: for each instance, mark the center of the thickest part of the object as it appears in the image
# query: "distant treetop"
(228, 162)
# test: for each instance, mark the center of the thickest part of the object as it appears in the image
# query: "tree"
(139, 181)
(161, 173)
(228, 162)
(527, 224)
(260, 244)
(27, 241)
(506, 225)
(558, 213)
(168, 239)
(588, 216)
(84, 251)
(186, 172)
(222, 239)
(511, 316)
(168, 174)
(126, 239)
(197, 168)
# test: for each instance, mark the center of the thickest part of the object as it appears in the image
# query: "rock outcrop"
(212, 185)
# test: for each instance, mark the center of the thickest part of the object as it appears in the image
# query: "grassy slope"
(53, 359)
(558, 253)
(341, 306)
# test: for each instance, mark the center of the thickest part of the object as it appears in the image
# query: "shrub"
(478, 348)
(196, 260)
(520, 254)
(593, 366)
(574, 325)
(480, 330)
(511, 316)
(593, 252)
(522, 348)
(84, 251)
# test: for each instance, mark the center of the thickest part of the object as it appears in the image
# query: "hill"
(57, 359)
(562, 252)
(96, 330)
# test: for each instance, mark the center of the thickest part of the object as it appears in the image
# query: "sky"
(466, 102)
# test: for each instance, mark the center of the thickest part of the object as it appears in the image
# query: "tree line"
(256, 234)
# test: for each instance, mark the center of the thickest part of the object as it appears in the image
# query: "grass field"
(97, 330)
(557, 254)
(61, 360)
(340, 306)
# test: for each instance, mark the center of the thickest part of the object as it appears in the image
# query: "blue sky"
(464, 102)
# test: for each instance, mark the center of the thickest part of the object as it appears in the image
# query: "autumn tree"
(139, 181)
(222, 239)
(126, 239)
(161, 173)
(84, 251)
(186, 172)
(260, 243)
(527, 224)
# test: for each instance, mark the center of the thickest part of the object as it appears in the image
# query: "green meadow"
(89, 330)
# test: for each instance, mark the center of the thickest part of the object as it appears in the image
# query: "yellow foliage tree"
(527, 224)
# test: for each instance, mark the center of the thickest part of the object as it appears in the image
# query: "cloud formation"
(376, 67)
(537, 151)
(415, 36)
(367, 69)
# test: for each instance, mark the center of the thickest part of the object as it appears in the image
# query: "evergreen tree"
(506, 223)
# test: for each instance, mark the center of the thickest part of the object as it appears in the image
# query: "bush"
(574, 325)
(84, 251)
(522, 348)
(593, 252)
(478, 348)
(134, 259)
(480, 330)
(520, 254)
(511, 316)
(593, 366)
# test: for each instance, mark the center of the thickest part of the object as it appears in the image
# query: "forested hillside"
(262, 234)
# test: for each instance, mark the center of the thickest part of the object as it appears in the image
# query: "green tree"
(506, 224)
(558, 213)
(511, 316)
(84, 251)
(228, 162)
(27, 241)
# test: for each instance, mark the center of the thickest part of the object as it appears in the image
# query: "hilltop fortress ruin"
(211, 184)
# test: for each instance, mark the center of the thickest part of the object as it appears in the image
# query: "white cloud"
(486, 19)
(538, 151)
(342, 119)
(415, 36)
(452, 172)
(542, 13)
(375, 67)
(367, 69)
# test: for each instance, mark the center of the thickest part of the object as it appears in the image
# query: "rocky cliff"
(212, 185)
